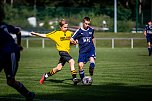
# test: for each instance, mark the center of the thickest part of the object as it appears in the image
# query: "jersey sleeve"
(145, 28)
(50, 35)
(13, 30)
(75, 35)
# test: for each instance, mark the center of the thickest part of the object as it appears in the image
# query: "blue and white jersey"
(148, 29)
(84, 38)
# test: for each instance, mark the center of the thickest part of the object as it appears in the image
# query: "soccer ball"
(87, 80)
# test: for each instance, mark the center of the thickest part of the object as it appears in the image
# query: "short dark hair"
(86, 19)
(62, 22)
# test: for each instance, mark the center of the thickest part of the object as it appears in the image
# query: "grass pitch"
(121, 74)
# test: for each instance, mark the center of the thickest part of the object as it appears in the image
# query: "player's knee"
(58, 68)
(92, 65)
(11, 82)
(81, 66)
(71, 61)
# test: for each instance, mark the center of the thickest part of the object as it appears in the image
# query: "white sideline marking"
(19, 98)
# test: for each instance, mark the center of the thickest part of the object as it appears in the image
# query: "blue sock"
(92, 65)
(81, 73)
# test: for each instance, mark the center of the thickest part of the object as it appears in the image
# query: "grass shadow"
(108, 92)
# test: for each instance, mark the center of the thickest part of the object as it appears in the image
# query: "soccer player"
(10, 56)
(148, 35)
(62, 41)
(85, 38)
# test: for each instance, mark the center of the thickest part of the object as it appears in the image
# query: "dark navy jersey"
(84, 38)
(148, 29)
(7, 43)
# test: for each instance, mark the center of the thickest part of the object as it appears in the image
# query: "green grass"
(121, 74)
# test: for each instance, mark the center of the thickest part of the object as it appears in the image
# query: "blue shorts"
(149, 38)
(84, 57)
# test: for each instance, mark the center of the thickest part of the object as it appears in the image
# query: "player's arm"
(16, 30)
(18, 35)
(38, 34)
(93, 40)
(73, 39)
(145, 33)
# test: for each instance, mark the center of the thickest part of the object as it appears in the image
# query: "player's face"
(64, 27)
(149, 23)
(86, 24)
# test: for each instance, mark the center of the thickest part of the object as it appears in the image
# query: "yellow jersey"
(61, 39)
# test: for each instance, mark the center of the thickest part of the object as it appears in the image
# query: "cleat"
(91, 70)
(31, 96)
(42, 79)
(75, 81)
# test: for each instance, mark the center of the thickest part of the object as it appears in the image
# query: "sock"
(91, 68)
(81, 73)
(74, 73)
(92, 65)
(46, 75)
(21, 89)
(52, 72)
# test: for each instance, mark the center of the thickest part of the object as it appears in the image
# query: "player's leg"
(81, 61)
(81, 70)
(50, 73)
(149, 48)
(10, 69)
(67, 58)
(20, 88)
(1, 58)
(73, 71)
(92, 55)
(72, 68)
(54, 70)
(92, 65)
(151, 43)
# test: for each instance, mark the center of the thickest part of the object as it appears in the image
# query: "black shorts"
(64, 57)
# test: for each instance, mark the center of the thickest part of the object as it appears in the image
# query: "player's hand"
(33, 33)
(74, 42)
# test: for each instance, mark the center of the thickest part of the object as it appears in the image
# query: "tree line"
(75, 9)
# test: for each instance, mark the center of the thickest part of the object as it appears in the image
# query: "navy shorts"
(84, 57)
(149, 39)
(64, 57)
